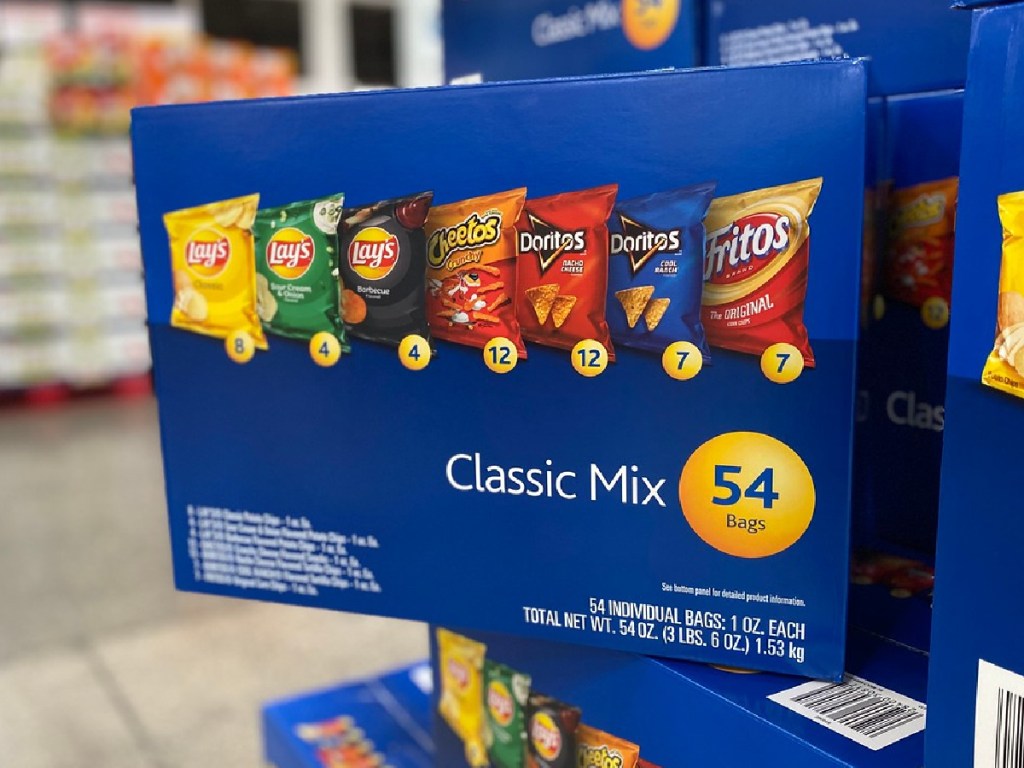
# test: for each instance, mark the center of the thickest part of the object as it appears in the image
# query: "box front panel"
(628, 509)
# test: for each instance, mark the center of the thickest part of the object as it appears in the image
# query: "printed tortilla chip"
(656, 309)
(561, 308)
(633, 301)
(541, 298)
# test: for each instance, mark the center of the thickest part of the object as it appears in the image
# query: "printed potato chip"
(383, 260)
(755, 269)
(597, 749)
(562, 275)
(1004, 369)
(919, 259)
(461, 700)
(550, 733)
(213, 269)
(505, 696)
(297, 269)
(655, 276)
(471, 270)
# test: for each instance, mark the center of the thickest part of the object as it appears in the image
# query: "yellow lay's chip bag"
(214, 268)
(1004, 369)
(461, 662)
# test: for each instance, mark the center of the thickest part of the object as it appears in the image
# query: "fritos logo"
(475, 231)
(545, 736)
(599, 757)
(745, 247)
(499, 703)
(207, 252)
(290, 253)
(459, 674)
(373, 253)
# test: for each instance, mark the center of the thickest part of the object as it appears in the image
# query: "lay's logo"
(290, 253)
(373, 253)
(207, 252)
(458, 674)
(545, 736)
(499, 703)
(746, 246)
(922, 211)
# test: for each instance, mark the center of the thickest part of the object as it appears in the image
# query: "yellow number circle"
(782, 363)
(935, 312)
(414, 352)
(589, 358)
(240, 346)
(325, 349)
(747, 494)
(682, 360)
(500, 355)
(649, 24)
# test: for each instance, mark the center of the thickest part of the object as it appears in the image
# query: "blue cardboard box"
(914, 45)
(904, 345)
(521, 39)
(977, 657)
(667, 516)
(681, 713)
(386, 717)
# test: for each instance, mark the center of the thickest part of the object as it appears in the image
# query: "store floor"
(101, 662)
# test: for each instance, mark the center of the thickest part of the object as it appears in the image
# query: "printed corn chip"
(634, 301)
(561, 308)
(656, 309)
(541, 298)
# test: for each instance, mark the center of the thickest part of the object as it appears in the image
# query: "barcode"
(999, 718)
(1009, 730)
(869, 714)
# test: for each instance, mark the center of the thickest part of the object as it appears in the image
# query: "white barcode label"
(873, 716)
(999, 718)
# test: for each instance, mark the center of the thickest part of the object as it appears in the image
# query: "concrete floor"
(102, 663)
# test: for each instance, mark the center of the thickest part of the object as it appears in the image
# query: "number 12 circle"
(747, 494)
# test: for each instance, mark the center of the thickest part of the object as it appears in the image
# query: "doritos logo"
(640, 242)
(474, 232)
(290, 253)
(207, 252)
(746, 246)
(550, 242)
(545, 736)
(499, 703)
(373, 253)
(599, 757)
(459, 674)
(922, 211)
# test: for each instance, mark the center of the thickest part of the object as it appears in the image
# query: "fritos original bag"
(562, 276)
(919, 259)
(461, 703)
(471, 269)
(1004, 369)
(755, 268)
(214, 269)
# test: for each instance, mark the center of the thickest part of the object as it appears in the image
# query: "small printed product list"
(671, 273)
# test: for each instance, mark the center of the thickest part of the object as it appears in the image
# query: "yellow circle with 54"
(747, 494)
